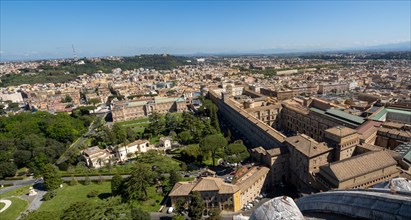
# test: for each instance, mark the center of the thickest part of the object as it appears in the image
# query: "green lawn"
(121, 169)
(2, 205)
(209, 161)
(138, 125)
(155, 140)
(139, 129)
(17, 192)
(187, 179)
(70, 194)
(177, 150)
(144, 122)
(16, 208)
(128, 123)
(152, 204)
(22, 171)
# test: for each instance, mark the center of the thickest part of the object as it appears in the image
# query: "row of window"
(372, 182)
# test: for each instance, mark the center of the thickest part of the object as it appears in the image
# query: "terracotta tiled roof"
(182, 189)
(203, 184)
(404, 134)
(359, 165)
(367, 126)
(251, 177)
(307, 145)
(215, 184)
(371, 147)
(137, 142)
(259, 150)
(341, 131)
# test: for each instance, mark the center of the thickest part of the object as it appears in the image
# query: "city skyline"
(44, 29)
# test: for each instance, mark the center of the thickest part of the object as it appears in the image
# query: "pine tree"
(174, 178)
(116, 183)
(228, 136)
(213, 117)
(213, 144)
(196, 208)
(52, 178)
(135, 186)
(215, 214)
(139, 214)
(180, 206)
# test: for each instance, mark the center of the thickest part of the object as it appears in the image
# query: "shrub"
(92, 193)
(49, 195)
(100, 179)
(71, 170)
(73, 181)
(63, 166)
(87, 181)
(138, 213)
(183, 166)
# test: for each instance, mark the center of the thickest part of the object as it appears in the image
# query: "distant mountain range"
(395, 47)
(403, 46)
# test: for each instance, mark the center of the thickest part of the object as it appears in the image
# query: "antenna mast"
(74, 53)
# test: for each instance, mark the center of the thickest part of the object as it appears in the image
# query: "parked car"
(228, 179)
(170, 210)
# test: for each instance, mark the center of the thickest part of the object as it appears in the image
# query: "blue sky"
(43, 29)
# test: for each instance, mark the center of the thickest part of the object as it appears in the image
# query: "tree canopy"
(174, 178)
(209, 109)
(236, 152)
(139, 214)
(35, 139)
(135, 186)
(161, 163)
(111, 208)
(116, 184)
(213, 144)
(94, 101)
(58, 74)
(67, 99)
(157, 123)
(7, 169)
(196, 207)
(52, 178)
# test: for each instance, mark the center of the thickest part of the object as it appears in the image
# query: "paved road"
(76, 144)
(30, 181)
(261, 202)
(15, 184)
(7, 204)
(36, 201)
(80, 141)
(92, 177)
